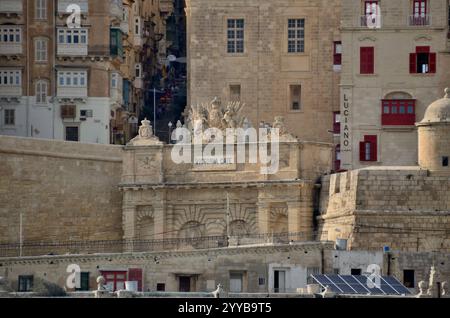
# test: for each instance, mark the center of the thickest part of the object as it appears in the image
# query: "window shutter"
(413, 63)
(432, 62)
(370, 60)
(363, 63)
(362, 151)
(135, 274)
(373, 151)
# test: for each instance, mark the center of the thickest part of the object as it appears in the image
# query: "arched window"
(41, 91)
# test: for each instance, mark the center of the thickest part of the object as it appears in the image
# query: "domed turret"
(434, 136)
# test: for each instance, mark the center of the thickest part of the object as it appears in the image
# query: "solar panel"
(359, 284)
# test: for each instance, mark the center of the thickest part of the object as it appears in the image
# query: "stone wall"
(400, 207)
(65, 191)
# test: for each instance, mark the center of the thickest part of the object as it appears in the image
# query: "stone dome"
(439, 111)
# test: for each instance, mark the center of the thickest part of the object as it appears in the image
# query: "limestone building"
(282, 58)
(394, 65)
(79, 84)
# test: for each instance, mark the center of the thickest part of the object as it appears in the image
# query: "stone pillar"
(294, 220)
(307, 211)
(263, 217)
(159, 215)
(129, 226)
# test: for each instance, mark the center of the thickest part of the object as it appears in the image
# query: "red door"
(135, 275)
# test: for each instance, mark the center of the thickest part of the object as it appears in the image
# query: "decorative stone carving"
(145, 136)
(284, 134)
(444, 287)
(432, 288)
(101, 283)
(422, 290)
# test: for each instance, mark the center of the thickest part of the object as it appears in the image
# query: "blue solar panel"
(358, 284)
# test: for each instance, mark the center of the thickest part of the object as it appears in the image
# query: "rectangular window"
(370, 8)
(72, 79)
(398, 112)
(337, 122)
(235, 93)
(367, 60)
(41, 92)
(311, 271)
(236, 282)
(138, 69)
(160, 287)
(10, 78)
(72, 36)
(115, 280)
(41, 9)
(338, 158)
(25, 283)
(422, 61)
(10, 117)
(295, 92)
(114, 80)
(41, 50)
(137, 26)
(10, 35)
(72, 133)
(419, 15)
(445, 161)
(368, 149)
(235, 35)
(84, 282)
(296, 35)
(408, 278)
(355, 271)
(337, 55)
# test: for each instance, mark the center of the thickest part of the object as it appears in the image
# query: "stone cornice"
(219, 185)
(129, 257)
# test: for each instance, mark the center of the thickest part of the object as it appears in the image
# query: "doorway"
(279, 283)
(185, 284)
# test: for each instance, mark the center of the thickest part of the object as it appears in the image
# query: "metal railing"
(419, 20)
(120, 246)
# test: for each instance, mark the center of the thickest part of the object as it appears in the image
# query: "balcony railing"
(64, 4)
(11, 6)
(419, 20)
(10, 90)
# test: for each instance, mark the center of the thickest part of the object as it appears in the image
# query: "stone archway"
(239, 228)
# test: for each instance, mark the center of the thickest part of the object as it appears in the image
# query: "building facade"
(72, 79)
(281, 58)
(396, 58)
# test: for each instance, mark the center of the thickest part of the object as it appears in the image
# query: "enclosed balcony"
(72, 42)
(8, 7)
(116, 9)
(10, 83)
(10, 40)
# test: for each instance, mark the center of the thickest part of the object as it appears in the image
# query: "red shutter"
(413, 63)
(363, 60)
(432, 62)
(371, 60)
(135, 275)
(422, 49)
(362, 151)
(367, 60)
(372, 140)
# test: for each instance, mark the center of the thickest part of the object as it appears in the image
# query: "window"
(235, 93)
(408, 278)
(295, 92)
(114, 80)
(368, 149)
(72, 133)
(161, 287)
(445, 161)
(40, 46)
(84, 282)
(10, 117)
(420, 13)
(25, 283)
(311, 271)
(367, 60)
(115, 280)
(296, 35)
(41, 9)
(279, 281)
(337, 162)
(235, 36)
(236, 282)
(138, 69)
(371, 8)
(337, 54)
(337, 122)
(10, 35)
(422, 61)
(73, 36)
(72, 79)
(41, 92)
(398, 112)
(355, 271)
(137, 26)
(10, 78)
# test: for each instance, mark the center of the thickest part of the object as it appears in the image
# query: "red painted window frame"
(432, 60)
(367, 60)
(336, 125)
(372, 141)
(394, 117)
(420, 13)
(337, 57)
(115, 280)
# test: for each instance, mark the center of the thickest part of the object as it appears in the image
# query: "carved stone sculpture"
(422, 289)
(218, 291)
(444, 286)
(101, 283)
(145, 136)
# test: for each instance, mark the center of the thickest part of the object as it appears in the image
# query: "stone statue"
(218, 291)
(284, 134)
(422, 289)
(230, 118)
(145, 135)
(2, 285)
(444, 287)
(101, 283)
(431, 284)
(215, 114)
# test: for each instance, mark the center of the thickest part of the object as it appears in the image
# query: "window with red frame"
(115, 280)
(367, 60)
(398, 112)
(420, 13)
(337, 122)
(422, 61)
(337, 160)
(371, 7)
(337, 55)
(368, 149)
